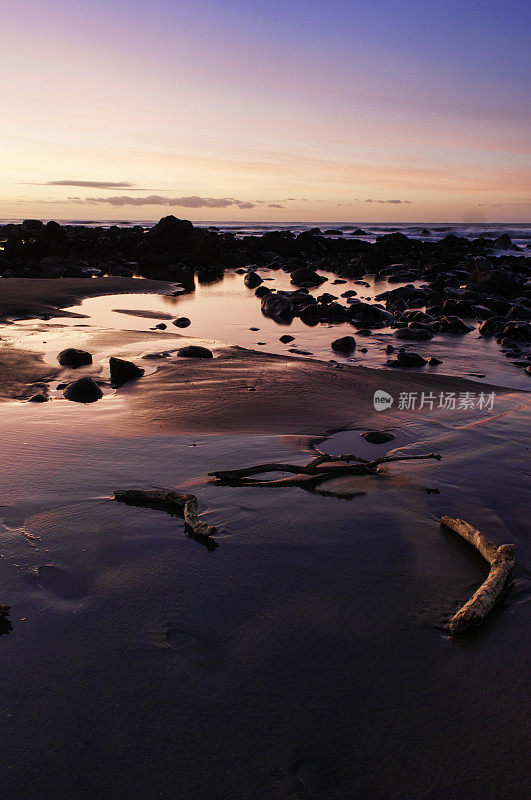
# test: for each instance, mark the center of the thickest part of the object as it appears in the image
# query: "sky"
(383, 110)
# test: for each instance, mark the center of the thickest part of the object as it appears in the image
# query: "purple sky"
(293, 110)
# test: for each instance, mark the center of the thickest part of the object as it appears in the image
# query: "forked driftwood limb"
(501, 560)
(307, 476)
(169, 500)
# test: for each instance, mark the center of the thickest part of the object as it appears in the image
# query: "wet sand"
(29, 297)
(306, 656)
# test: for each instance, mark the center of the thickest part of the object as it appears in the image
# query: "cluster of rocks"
(495, 297)
(174, 246)
(88, 390)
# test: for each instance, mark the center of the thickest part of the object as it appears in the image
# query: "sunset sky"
(388, 110)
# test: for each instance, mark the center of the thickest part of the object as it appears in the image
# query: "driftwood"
(501, 560)
(324, 467)
(168, 500)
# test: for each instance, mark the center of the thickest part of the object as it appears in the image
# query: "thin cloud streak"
(93, 184)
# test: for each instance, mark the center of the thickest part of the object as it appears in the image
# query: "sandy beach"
(310, 640)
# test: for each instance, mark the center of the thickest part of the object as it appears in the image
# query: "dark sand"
(303, 659)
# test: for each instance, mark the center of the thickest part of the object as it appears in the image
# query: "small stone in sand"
(194, 351)
(72, 357)
(123, 371)
(38, 398)
(286, 338)
(84, 390)
(182, 322)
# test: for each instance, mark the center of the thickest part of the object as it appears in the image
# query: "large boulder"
(72, 357)
(195, 351)
(123, 371)
(277, 307)
(84, 390)
(172, 232)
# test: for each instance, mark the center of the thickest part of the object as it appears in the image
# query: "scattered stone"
(195, 351)
(72, 357)
(407, 360)
(286, 338)
(182, 322)
(38, 398)
(252, 280)
(433, 361)
(123, 371)
(347, 344)
(161, 326)
(84, 390)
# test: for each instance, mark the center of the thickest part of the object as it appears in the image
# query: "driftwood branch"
(307, 476)
(501, 560)
(185, 505)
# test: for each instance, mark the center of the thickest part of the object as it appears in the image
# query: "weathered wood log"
(168, 499)
(501, 560)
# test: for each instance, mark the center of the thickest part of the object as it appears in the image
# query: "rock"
(38, 398)
(195, 351)
(389, 348)
(33, 225)
(160, 326)
(84, 390)
(182, 322)
(277, 307)
(404, 359)
(172, 232)
(455, 325)
(72, 357)
(433, 361)
(286, 338)
(359, 232)
(414, 334)
(377, 437)
(310, 314)
(347, 344)
(262, 291)
(252, 280)
(52, 268)
(520, 331)
(123, 371)
(306, 277)
(492, 326)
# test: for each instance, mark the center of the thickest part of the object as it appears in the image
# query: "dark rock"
(38, 398)
(310, 314)
(252, 280)
(160, 326)
(33, 225)
(84, 390)
(377, 437)
(404, 359)
(72, 357)
(347, 344)
(433, 361)
(52, 268)
(195, 351)
(262, 291)
(182, 322)
(286, 338)
(277, 307)
(414, 334)
(306, 277)
(123, 371)
(455, 325)
(172, 232)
